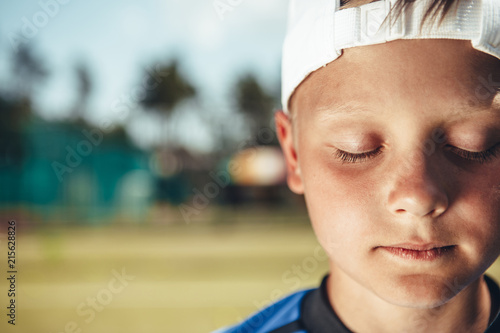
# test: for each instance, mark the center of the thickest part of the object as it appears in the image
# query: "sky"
(117, 39)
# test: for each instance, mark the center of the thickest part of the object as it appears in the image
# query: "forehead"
(449, 71)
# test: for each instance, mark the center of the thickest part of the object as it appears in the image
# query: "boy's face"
(420, 110)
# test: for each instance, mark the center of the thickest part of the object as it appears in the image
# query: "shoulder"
(282, 313)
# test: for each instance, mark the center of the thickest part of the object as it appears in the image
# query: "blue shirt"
(310, 311)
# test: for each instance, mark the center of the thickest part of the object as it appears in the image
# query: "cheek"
(477, 205)
(342, 203)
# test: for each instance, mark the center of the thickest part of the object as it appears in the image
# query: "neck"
(363, 311)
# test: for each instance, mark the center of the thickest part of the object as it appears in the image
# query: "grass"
(192, 278)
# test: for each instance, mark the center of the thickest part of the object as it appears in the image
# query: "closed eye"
(346, 157)
(480, 157)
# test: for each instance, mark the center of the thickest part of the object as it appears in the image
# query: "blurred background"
(139, 159)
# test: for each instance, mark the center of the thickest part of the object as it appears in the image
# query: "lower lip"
(424, 255)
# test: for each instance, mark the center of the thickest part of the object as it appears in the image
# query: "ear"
(285, 137)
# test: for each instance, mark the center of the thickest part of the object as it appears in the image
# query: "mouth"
(426, 252)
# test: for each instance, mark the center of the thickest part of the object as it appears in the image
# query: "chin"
(420, 292)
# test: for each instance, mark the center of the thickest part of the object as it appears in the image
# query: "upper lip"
(418, 247)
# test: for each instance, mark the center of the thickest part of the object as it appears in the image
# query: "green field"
(187, 278)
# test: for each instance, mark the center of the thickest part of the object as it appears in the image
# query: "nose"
(417, 189)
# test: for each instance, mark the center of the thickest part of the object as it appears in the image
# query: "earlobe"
(285, 137)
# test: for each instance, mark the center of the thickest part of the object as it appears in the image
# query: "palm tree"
(28, 71)
(84, 84)
(256, 105)
(170, 90)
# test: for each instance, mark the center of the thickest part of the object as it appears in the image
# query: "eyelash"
(346, 157)
(480, 157)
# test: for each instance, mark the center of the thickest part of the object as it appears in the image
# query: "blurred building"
(76, 173)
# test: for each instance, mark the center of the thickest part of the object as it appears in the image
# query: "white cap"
(318, 31)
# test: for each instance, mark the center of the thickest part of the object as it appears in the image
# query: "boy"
(391, 130)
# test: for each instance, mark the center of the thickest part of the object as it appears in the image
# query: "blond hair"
(436, 8)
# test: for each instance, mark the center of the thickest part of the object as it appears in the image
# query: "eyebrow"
(353, 109)
(325, 113)
(469, 111)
